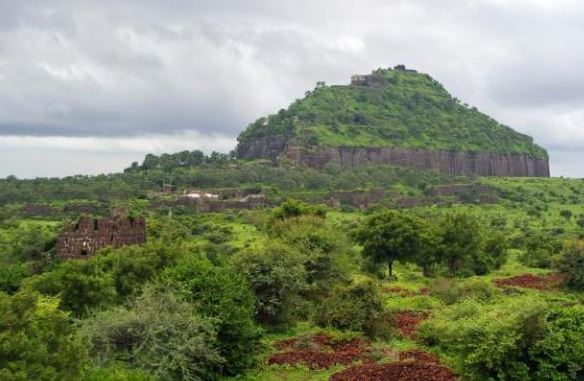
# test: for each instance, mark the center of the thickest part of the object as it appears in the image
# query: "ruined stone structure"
(84, 238)
(356, 199)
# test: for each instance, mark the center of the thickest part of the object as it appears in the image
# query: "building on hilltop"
(84, 238)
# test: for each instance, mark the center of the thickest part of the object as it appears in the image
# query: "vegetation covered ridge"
(387, 108)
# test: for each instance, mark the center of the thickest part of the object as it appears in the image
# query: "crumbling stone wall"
(357, 199)
(88, 235)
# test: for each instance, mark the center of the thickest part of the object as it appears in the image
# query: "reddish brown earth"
(406, 322)
(406, 371)
(320, 352)
(536, 282)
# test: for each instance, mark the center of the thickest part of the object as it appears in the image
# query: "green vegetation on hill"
(408, 109)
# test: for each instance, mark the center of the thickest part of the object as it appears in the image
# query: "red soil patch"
(323, 355)
(407, 371)
(406, 322)
(536, 282)
(417, 355)
(404, 292)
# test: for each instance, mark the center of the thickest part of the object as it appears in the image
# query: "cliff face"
(451, 162)
(269, 147)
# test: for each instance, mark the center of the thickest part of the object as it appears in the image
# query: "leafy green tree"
(390, 236)
(80, 285)
(460, 240)
(328, 254)
(278, 278)
(38, 341)
(159, 333)
(571, 264)
(221, 294)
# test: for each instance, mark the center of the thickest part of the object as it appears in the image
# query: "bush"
(225, 296)
(327, 255)
(357, 308)
(571, 264)
(278, 278)
(38, 341)
(107, 279)
(451, 292)
(158, 332)
(560, 355)
(539, 250)
(488, 342)
(294, 208)
(116, 374)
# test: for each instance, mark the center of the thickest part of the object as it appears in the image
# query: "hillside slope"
(392, 116)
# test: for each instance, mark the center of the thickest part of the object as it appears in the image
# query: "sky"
(91, 86)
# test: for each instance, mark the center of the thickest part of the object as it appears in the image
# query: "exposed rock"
(269, 147)
(450, 162)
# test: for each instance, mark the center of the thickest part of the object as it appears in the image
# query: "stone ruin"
(84, 238)
(376, 78)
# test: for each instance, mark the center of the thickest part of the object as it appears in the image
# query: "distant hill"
(392, 116)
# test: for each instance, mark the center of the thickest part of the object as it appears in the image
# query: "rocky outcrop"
(450, 162)
(269, 147)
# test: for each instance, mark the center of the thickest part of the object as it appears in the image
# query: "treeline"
(285, 180)
(183, 159)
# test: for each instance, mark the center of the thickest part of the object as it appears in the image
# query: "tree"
(221, 294)
(390, 236)
(460, 240)
(158, 332)
(571, 264)
(278, 278)
(38, 341)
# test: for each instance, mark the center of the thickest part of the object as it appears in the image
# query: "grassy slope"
(412, 110)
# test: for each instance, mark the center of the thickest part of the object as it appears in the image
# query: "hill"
(392, 116)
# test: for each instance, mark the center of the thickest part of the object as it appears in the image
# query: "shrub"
(450, 291)
(571, 264)
(116, 374)
(277, 277)
(294, 208)
(106, 279)
(38, 341)
(327, 254)
(560, 355)
(225, 296)
(539, 250)
(357, 308)
(158, 332)
(488, 342)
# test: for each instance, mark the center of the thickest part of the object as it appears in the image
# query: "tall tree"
(390, 236)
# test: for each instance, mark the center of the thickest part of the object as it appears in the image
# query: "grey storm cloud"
(124, 69)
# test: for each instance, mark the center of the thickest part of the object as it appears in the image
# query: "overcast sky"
(90, 86)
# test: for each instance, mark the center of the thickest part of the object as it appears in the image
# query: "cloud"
(119, 70)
